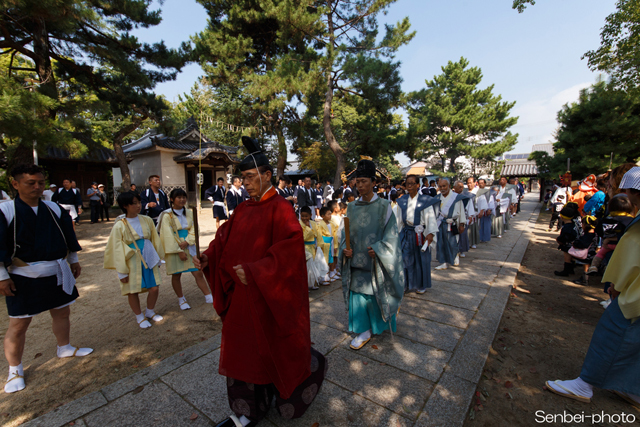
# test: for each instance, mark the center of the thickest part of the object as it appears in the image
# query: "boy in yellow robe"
(327, 236)
(134, 251)
(316, 265)
(178, 236)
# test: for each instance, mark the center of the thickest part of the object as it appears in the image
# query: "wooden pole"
(347, 234)
(194, 210)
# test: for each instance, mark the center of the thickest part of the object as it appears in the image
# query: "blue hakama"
(485, 228)
(447, 244)
(417, 264)
(613, 358)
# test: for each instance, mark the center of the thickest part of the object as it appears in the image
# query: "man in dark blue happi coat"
(38, 268)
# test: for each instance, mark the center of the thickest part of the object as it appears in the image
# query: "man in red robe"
(256, 268)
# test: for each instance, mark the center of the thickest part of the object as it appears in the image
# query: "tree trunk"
(43, 66)
(328, 100)
(122, 163)
(452, 169)
(282, 153)
(22, 154)
(117, 147)
(328, 133)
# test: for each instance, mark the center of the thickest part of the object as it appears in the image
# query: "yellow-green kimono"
(122, 256)
(327, 239)
(175, 228)
(310, 234)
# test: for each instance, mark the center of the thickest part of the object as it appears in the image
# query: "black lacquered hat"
(256, 156)
(366, 169)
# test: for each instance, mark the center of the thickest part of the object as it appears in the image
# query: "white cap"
(53, 186)
(631, 179)
(101, 185)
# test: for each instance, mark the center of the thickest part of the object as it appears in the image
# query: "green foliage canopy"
(453, 118)
(82, 52)
(605, 120)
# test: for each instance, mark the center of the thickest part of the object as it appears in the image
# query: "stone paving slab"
(151, 373)
(330, 312)
(465, 276)
(399, 391)
(447, 314)
(425, 376)
(69, 412)
(427, 332)
(335, 406)
(199, 384)
(418, 359)
(324, 338)
(448, 404)
(455, 294)
(168, 409)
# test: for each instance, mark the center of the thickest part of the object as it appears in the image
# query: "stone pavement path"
(425, 375)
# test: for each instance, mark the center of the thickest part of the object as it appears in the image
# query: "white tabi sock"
(576, 386)
(69, 351)
(150, 314)
(142, 321)
(15, 380)
(244, 420)
(208, 299)
(182, 302)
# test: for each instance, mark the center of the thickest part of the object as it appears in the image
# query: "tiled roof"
(208, 149)
(520, 168)
(151, 139)
(188, 140)
(100, 155)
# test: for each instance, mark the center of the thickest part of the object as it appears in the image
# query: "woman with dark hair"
(178, 236)
(615, 177)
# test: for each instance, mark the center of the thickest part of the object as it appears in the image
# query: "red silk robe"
(265, 324)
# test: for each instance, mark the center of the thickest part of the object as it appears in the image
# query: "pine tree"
(452, 118)
(255, 46)
(84, 49)
(349, 56)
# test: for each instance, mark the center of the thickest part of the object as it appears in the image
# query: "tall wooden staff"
(347, 234)
(194, 210)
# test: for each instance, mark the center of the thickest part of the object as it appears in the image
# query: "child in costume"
(134, 251)
(326, 238)
(337, 223)
(317, 267)
(178, 237)
(570, 231)
(611, 228)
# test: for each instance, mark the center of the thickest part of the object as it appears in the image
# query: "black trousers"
(95, 206)
(104, 211)
(555, 216)
(254, 400)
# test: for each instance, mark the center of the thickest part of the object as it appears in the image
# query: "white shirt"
(483, 205)
(427, 218)
(503, 201)
(458, 210)
(37, 268)
(470, 210)
(47, 194)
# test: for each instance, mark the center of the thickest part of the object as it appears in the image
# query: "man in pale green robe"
(372, 270)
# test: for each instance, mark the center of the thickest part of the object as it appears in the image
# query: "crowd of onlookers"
(590, 218)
